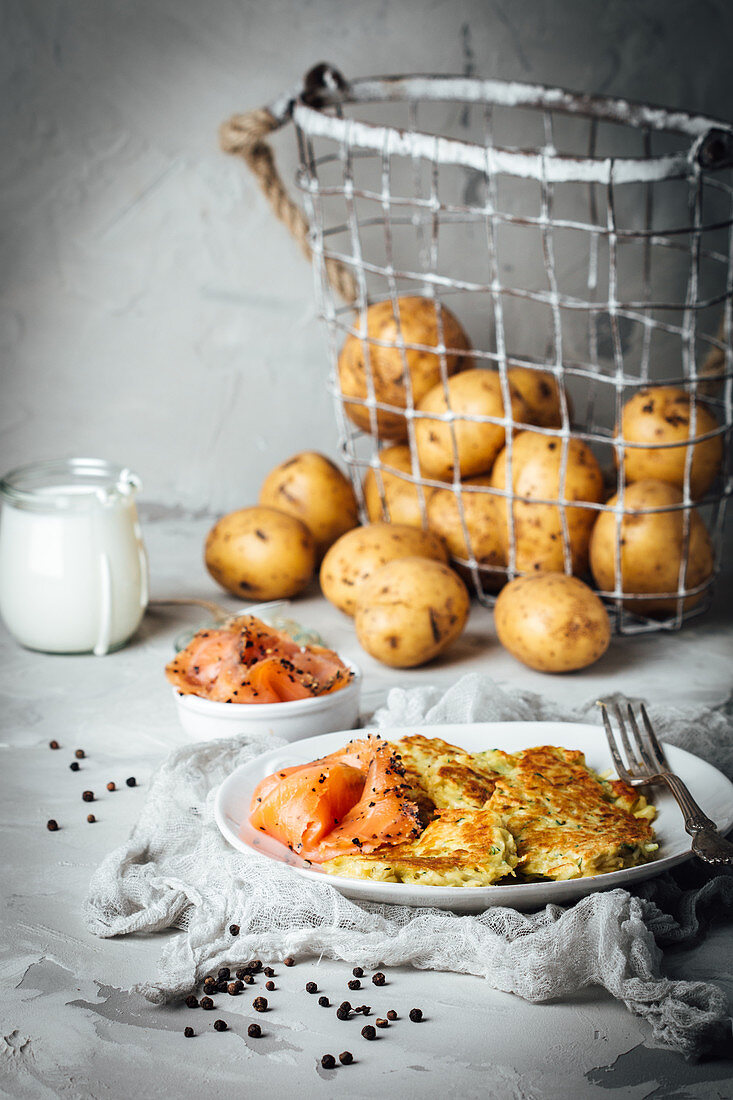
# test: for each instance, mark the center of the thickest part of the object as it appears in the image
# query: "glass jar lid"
(68, 484)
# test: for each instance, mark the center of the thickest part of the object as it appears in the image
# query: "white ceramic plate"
(710, 787)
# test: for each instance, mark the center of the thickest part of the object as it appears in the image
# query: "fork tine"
(620, 769)
(634, 763)
(641, 742)
(654, 741)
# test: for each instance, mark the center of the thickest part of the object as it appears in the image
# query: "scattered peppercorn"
(189, 1032)
(324, 1002)
(241, 972)
(234, 929)
(111, 787)
(225, 972)
(392, 1015)
(88, 796)
(131, 782)
(346, 1006)
(259, 1004)
(416, 1015)
(255, 965)
(379, 978)
(80, 754)
(358, 972)
(328, 1061)
(52, 825)
(254, 1031)
(365, 1010)
(235, 987)
(369, 1032)
(342, 1013)
(91, 818)
(248, 979)
(222, 986)
(289, 961)
(192, 1001)
(311, 987)
(270, 986)
(74, 765)
(346, 1057)
(269, 972)
(354, 984)
(381, 1023)
(53, 745)
(220, 1025)
(206, 1002)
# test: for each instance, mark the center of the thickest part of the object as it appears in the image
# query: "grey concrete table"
(70, 1024)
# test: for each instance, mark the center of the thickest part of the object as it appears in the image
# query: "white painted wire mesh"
(584, 237)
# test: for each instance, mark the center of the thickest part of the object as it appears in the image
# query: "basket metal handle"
(244, 135)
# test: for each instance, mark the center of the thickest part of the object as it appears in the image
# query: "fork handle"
(707, 843)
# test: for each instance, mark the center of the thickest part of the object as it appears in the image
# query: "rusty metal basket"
(582, 236)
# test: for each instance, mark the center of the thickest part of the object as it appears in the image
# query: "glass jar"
(73, 568)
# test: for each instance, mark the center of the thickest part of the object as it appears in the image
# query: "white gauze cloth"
(177, 871)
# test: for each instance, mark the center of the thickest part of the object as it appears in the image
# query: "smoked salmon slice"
(356, 799)
(247, 661)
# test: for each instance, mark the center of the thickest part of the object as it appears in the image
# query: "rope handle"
(244, 135)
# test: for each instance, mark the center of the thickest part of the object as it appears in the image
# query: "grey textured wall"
(151, 309)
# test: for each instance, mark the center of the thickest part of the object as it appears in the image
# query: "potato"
(418, 322)
(552, 622)
(662, 414)
(312, 488)
(402, 498)
(651, 548)
(541, 395)
(260, 553)
(538, 528)
(473, 393)
(409, 610)
(358, 553)
(485, 518)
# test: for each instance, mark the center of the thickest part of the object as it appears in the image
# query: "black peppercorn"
(254, 965)
(365, 1010)
(369, 1032)
(87, 796)
(392, 1015)
(220, 1025)
(358, 972)
(379, 978)
(270, 986)
(248, 979)
(223, 973)
(235, 987)
(381, 1023)
(111, 786)
(289, 961)
(259, 1004)
(53, 745)
(52, 825)
(254, 1031)
(269, 972)
(346, 1006)
(192, 1001)
(131, 782)
(346, 1057)
(241, 972)
(189, 1032)
(74, 765)
(416, 1015)
(206, 1002)
(328, 1061)
(342, 1013)
(324, 1002)
(234, 929)
(80, 754)
(311, 987)
(91, 818)
(354, 984)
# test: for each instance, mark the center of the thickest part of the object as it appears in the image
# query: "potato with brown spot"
(552, 622)
(410, 610)
(260, 554)
(401, 497)
(397, 347)
(472, 393)
(360, 552)
(484, 516)
(663, 414)
(538, 528)
(541, 395)
(311, 487)
(652, 545)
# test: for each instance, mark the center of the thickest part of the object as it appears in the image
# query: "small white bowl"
(294, 720)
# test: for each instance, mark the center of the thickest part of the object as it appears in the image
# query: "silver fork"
(646, 763)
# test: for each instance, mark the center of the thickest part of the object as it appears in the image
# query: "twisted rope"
(244, 136)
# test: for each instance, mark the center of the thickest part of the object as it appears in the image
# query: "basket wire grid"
(602, 252)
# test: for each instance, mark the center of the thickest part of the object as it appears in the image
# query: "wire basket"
(584, 241)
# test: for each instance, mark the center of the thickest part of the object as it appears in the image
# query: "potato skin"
(410, 610)
(541, 395)
(473, 393)
(418, 319)
(661, 414)
(312, 488)
(260, 553)
(484, 516)
(651, 548)
(358, 553)
(402, 498)
(538, 530)
(552, 622)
